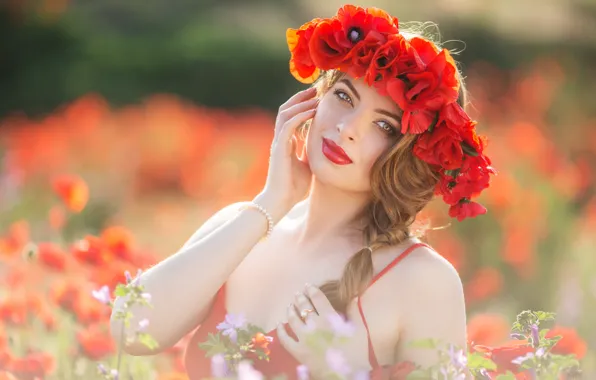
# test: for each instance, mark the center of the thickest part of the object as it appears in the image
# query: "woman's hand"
(288, 177)
(351, 356)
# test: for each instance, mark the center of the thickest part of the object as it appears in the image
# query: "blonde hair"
(401, 186)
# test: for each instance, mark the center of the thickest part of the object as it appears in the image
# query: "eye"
(387, 127)
(342, 95)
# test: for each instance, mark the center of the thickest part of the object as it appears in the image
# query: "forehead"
(369, 95)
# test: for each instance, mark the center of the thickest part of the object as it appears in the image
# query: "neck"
(330, 212)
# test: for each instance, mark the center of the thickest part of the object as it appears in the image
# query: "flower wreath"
(420, 78)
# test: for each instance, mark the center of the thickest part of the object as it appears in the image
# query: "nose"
(347, 130)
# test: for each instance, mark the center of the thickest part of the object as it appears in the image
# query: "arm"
(436, 309)
(183, 286)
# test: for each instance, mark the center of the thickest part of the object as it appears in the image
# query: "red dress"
(198, 366)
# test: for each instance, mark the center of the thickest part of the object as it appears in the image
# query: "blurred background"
(130, 122)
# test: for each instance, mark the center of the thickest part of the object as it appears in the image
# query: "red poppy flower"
(414, 120)
(363, 21)
(360, 57)
(14, 311)
(436, 85)
(301, 64)
(424, 49)
(382, 21)
(328, 44)
(92, 250)
(487, 329)
(95, 343)
(15, 239)
(466, 209)
(33, 366)
(440, 147)
(387, 61)
(474, 176)
(504, 355)
(51, 256)
(73, 191)
(120, 241)
(570, 342)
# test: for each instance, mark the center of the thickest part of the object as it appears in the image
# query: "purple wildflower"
(247, 372)
(143, 324)
(520, 359)
(337, 362)
(229, 327)
(102, 369)
(535, 335)
(458, 357)
(302, 372)
(219, 367)
(102, 295)
(361, 375)
(137, 280)
(340, 326)
(127, 276)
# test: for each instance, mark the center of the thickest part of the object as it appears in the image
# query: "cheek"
(372, 148)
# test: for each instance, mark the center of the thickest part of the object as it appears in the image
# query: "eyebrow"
(390, 114)
(351, 86)
(381, 111)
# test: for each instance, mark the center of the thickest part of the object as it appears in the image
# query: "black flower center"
(355, 34)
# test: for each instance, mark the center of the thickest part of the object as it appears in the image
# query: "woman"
(385, 132)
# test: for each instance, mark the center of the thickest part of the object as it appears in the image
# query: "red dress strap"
(372, 357)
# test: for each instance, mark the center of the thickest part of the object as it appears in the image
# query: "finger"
(294, 320)
(286, 340)
(294, 110)
(303, 304)
(299, 97)
(294, 145)
(319, 300)
(290, 126)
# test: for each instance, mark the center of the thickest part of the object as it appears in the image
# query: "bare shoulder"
(432, 305)
(215, 221)
(427, 274)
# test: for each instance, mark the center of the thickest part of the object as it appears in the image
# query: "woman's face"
(352, 126)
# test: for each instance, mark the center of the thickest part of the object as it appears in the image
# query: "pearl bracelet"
(263, 211)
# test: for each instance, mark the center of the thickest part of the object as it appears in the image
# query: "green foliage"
(158, 48)
(213, 345)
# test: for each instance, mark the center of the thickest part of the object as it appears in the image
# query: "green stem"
(120, 348)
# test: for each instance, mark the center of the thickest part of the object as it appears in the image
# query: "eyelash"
(390, 129)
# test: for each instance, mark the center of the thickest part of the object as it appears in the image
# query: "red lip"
(335, 153)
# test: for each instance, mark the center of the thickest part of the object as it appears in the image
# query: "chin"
(330, 174)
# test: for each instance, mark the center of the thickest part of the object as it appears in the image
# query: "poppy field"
(91, 192)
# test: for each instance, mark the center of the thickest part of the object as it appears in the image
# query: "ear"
(303, 154)
(300, 146)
